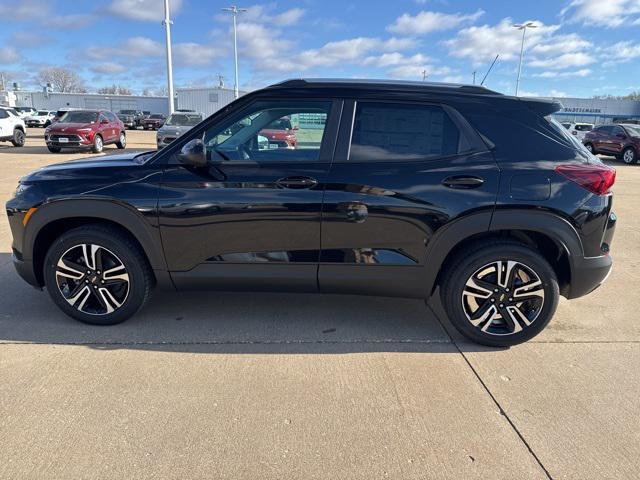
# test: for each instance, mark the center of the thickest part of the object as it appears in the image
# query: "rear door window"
(401, 132)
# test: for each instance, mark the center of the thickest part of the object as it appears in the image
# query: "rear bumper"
(588, 274)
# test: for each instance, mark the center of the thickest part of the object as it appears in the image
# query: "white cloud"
(9, 55)
(604, 13)
(416, 72)
(194, 54)
(524, 93)
(624, 51)
(425, 22)
(41, 11)
(260, 14)
(557, 94)
(584, 72)
(109, 68)
(561, 62)
(393, 59)
(135, 47)
(145, 10)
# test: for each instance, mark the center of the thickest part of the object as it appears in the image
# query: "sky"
(580, 48)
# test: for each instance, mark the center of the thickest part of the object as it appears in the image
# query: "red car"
(153, 121)
(85, 129)
(280, 134)
(621, 141)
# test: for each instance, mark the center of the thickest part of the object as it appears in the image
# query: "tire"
(629, 156)
(47, 124)
(82, 296)
(476, 266)
(98, 144)
(122, 142)
(19, 138)
(54, 149)
(589, 147)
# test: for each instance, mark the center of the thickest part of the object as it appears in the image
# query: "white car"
(579, 130)
(25, 112)
(12, 128)
(42, 118)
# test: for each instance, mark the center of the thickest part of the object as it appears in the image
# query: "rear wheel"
(122, 141)
(97, 275)
(629, 156)
(98, 145)
(500, 294)
(53, 149)
(18, 138)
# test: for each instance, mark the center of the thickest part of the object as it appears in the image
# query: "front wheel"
(97, 275)
(500, 294)
(122, 141)
(98, 145)
(18, 138)
(629, 156)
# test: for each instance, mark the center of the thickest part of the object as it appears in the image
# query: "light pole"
(167, 26)
(234, 10)
(522, 27)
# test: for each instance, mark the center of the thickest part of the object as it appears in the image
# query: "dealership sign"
(581, 110)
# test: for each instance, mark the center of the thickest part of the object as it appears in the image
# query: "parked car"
(85, 129)
(411, 186)
(12, 128)
(24, 112)
(579, 130)
(281, 134)
(131, 118)
(42, 118)
(175, 125)
(153, 121)
(621, 141)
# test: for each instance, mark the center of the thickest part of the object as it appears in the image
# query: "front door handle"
(463, 181)
(297, 182)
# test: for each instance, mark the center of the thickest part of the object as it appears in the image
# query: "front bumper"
(25, 270)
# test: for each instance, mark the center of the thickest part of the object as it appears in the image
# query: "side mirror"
(192, 153)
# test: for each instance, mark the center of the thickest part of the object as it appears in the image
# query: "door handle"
(297, 182)
(463, 181)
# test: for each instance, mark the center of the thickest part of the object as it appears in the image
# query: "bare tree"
(115, 90)
(62, 80)
(5, 80)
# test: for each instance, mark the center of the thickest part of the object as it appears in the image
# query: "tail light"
(593, 177)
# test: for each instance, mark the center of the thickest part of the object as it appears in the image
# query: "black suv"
(392, 189)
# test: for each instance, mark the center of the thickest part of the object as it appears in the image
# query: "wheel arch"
(52, 220)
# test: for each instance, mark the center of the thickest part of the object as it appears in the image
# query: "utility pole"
(234, 10)
(424, 75)
(167, 26)
(474, 77)
(522, 27)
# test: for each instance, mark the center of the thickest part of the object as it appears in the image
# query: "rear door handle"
(463, 181)
(297, 182)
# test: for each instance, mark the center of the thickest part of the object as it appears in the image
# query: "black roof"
(398, 85)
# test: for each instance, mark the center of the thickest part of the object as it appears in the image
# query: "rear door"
(401, 171)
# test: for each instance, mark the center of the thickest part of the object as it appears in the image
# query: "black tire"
(53, 149)
(466, 265)
(122, 142)
(629, 156)
(47, 123)
(589, 147)
(19, 138)
(98, 144)
(124, 250)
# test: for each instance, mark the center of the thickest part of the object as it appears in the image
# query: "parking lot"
(260, 386)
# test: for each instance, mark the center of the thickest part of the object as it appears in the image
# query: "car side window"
(110, 116)
(267, 131)
(605, 130)
(617, 131)
(103, 117)
(400, 132)
(3, 114)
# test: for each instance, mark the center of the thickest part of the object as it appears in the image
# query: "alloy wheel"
(503, 297)
(628, 156)
(92, 279)
(123, 140)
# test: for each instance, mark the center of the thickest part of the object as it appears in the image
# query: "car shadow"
(224, 322)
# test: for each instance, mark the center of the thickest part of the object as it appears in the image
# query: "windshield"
(584, 127)
(43, 114)
(155, 115)
(183, 119)
(79, 117)
(127, 112)
(634, 130)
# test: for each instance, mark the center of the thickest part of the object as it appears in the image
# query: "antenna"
(489, 71)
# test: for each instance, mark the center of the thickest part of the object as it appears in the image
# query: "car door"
(618, 139)
(401, 171)
(251, 219)
(602, 142)
(5, 123)
(104, 128)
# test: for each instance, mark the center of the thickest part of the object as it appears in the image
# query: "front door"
(402, 172)
(251, 219)
(5, 124)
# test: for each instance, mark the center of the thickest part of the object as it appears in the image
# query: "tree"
(5, 80)
(62, 80)
(115, 90)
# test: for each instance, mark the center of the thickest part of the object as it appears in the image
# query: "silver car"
(177, 124)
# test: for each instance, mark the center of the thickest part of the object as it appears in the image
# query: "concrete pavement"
(251, 386)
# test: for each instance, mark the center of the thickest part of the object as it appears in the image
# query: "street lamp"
(234, 10)
(167, 25)
(522, 27)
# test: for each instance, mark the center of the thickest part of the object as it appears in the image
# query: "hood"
(69, 127)
(174, 129)
(278, 134)
(86, 166)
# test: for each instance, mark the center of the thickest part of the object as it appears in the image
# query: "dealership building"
(598, 110)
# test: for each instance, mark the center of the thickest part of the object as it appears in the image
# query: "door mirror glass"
(192, 153)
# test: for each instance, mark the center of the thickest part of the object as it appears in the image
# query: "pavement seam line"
(493, 398)
(248, 342)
